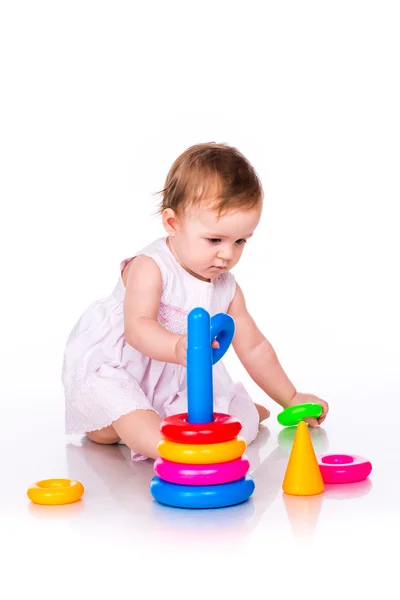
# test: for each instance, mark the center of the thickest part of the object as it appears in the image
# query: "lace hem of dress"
(79, 429)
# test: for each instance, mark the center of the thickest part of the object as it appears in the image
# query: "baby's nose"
(225, 254)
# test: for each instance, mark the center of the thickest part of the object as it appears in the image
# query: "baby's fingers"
(325, 409)
(312, 422)
(215, 344)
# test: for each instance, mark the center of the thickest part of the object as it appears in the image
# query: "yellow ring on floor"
(55, 491)
(201, 454)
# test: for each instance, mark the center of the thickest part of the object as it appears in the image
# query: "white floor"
(118, 529)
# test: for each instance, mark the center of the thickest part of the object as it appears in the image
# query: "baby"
(124, 364)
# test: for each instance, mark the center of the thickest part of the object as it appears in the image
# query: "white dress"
(104, 377)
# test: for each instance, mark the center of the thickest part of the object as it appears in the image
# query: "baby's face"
(206, 245)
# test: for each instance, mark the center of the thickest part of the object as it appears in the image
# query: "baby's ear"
(170, 221)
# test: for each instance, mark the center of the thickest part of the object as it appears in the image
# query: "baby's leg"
(140, 431)
(107, 435)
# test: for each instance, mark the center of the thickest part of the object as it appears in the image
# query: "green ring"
(294, 414)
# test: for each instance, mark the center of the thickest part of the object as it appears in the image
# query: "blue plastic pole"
(199, 362)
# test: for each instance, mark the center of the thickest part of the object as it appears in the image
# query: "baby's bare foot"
(263, 412)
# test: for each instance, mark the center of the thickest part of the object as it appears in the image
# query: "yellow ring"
(201, 454)
(55, 491)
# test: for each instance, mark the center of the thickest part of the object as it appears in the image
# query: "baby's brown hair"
(217, 173)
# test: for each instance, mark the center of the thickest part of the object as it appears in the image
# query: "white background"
(97, 100)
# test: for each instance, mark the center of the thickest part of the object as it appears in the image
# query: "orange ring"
(55, 491)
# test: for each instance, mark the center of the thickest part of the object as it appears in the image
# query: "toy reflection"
(117, 502)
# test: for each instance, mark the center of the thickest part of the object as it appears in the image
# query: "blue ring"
(223, 329)
(206, 496)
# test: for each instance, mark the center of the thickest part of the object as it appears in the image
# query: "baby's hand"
(181, 347)
(180, 350)
(307, 399)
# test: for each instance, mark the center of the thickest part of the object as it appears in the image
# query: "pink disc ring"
(343, 468)
(223, 428)
(201, 474)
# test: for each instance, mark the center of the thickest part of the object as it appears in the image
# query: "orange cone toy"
(303, 476)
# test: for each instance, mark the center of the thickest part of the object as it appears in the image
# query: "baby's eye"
(240, 242)
(214, 240)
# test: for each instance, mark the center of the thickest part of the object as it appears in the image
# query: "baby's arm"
(262, 364)
(143, 286)
(257, 355)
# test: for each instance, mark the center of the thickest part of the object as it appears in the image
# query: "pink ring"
(201, 474)
(343, 468)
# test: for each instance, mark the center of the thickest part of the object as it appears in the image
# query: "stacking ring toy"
(209, 496)
(294, 414)
(199, 454)
(201, 357)
(177, 429)
(184, 474)
(55, 491)
(343, 468)
(201, 462)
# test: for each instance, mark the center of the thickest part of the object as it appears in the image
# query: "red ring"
(223, 429)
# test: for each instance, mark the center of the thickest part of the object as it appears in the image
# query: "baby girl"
(124, 364)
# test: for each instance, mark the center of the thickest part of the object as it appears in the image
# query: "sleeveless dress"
(104, 377)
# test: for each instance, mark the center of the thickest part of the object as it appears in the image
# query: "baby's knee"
(107, 435)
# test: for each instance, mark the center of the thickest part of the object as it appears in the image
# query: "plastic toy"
(55, 491)
(343, 468)
(200, 359)
(213, 474)
(201, 462)
(303, 476)
(178, 429)
(294, 414)
(209, 496)
(198, 454)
